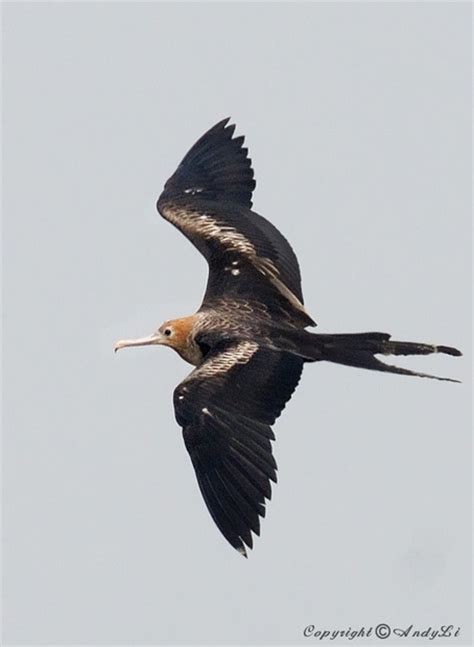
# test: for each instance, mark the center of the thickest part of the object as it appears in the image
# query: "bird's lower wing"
(234, 465)
(226, 408)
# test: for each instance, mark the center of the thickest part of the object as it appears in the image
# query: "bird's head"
(174, 333)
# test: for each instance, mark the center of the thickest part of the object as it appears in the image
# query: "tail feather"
(359, 350)
(364, 359)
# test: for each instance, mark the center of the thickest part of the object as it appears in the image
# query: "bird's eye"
(167, 331)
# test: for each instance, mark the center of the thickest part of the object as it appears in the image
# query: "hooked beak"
(156, 338)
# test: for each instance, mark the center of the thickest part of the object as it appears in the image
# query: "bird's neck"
(183, 342)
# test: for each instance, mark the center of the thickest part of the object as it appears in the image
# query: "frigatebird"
(248, 340)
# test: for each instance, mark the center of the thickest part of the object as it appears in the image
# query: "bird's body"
(248, 341)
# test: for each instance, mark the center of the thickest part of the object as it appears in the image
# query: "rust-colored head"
(175, 333)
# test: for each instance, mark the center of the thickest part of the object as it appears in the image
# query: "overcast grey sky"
(357, 117)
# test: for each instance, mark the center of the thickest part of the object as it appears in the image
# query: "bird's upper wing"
(209, 199)
(226, 408)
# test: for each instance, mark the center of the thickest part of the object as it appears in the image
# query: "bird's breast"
(191, 353)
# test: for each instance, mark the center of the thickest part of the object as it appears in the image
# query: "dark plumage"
(248, 339)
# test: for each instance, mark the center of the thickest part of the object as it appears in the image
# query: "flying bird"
(248, 340)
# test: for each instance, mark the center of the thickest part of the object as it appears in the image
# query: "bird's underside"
(248, 339)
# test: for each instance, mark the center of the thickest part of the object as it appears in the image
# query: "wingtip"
(223, 124)
(218, 165)
(241, 550)
(227, 128)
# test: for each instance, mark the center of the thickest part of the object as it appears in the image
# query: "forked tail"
(359, 349)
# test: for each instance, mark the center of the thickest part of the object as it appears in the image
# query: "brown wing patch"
(240, 353)
(197, 225)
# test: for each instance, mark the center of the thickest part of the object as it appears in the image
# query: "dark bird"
(247, 340)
